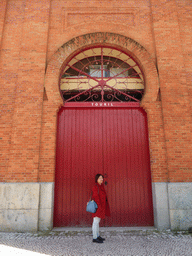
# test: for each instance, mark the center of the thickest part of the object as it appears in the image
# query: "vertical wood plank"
(110, 141)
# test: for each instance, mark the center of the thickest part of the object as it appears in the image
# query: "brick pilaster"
(11, 29)
(29, 86)
(174, 91)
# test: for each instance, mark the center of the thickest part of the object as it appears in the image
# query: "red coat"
(101, 200)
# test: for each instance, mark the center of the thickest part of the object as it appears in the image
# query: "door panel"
(111, 141)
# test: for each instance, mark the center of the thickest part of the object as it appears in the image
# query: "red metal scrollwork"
(101, 74)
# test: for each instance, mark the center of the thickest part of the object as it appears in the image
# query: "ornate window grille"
(101, 74)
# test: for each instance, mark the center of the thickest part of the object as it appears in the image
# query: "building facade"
(95, 86)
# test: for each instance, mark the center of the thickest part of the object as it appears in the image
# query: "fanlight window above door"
(101, 74)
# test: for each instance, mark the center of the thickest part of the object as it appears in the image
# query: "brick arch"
(149, 102)
(133, 48)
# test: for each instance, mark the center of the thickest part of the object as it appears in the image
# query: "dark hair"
(97, 177)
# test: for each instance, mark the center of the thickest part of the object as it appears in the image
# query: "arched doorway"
(102, 129)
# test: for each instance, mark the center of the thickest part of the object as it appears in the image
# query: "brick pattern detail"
(82, 15)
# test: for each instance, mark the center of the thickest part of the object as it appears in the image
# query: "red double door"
(114, 142)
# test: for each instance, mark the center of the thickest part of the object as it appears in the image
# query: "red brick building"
(45, 48)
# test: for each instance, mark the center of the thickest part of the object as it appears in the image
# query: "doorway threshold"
(104, 229)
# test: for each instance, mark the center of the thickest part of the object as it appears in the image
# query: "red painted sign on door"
(108, 140)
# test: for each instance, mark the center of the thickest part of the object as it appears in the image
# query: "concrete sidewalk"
(78, 241)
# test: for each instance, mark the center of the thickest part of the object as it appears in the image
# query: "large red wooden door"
(108, 140)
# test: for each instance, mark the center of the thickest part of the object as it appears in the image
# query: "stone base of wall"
(26, 206)
(180, 205)
(46, 206)
(172, 203)
(29, 206)
(161, 205)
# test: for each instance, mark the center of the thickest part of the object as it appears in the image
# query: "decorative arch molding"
(53, 100)
(133, 48)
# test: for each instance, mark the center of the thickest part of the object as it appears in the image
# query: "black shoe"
(97, 241)
(100, 238)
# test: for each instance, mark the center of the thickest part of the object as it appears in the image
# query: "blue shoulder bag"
(92, 205)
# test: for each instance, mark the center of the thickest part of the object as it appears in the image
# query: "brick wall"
(23, 60)
(31, 32)
(174, 89)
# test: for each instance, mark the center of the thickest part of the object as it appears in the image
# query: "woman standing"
(100, 197)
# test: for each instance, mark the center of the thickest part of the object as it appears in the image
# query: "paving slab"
(78, 241)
